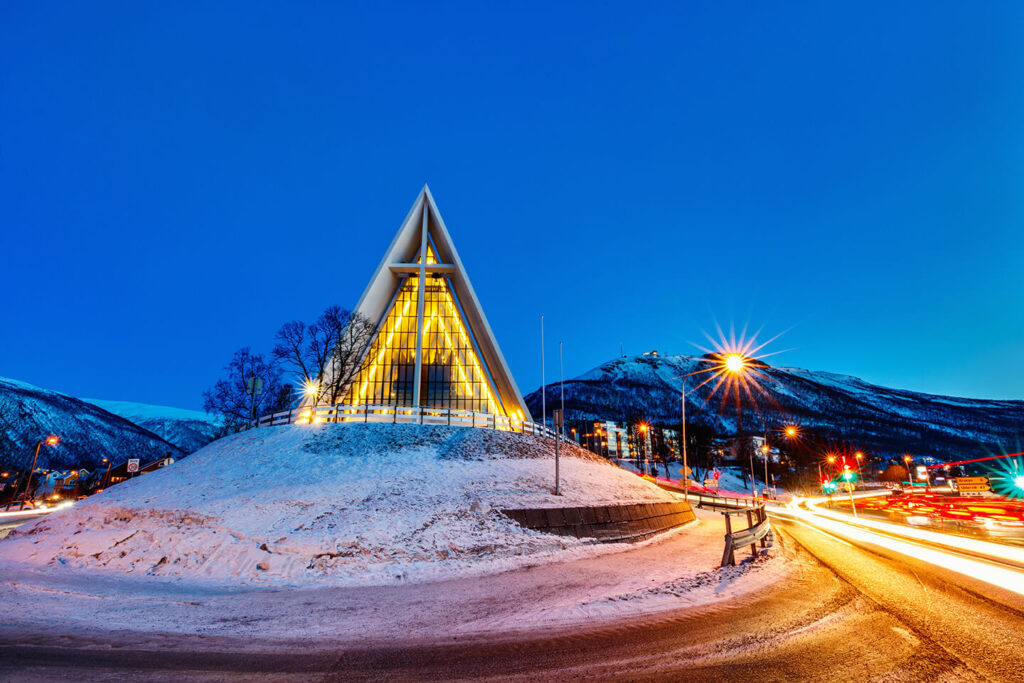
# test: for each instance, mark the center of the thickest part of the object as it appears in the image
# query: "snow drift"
(342, 503)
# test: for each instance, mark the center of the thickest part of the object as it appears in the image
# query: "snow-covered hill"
(349, 503)
(883, 420)
(88, 433)
(189, 430)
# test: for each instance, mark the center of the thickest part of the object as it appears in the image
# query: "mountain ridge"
(87, 432)
(884, 420)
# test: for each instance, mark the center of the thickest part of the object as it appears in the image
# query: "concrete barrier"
(606, 523)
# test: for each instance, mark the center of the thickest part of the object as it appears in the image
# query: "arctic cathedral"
(432, 348)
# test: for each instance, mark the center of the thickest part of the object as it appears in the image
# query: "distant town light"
(52, 440)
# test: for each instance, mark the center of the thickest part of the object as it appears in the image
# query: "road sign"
(133, 464)
(972, 484)
(710, 483)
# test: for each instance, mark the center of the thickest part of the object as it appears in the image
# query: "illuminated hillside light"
(52, 440)
(791, 431)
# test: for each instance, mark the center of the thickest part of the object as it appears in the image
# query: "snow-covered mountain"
(883, 420)
(88, 433)
(189, 430)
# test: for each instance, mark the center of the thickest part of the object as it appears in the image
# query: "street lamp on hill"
(736, 365)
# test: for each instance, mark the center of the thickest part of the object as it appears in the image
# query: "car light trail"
(919, 544)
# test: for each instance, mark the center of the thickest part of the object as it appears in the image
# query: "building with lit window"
(432, 347)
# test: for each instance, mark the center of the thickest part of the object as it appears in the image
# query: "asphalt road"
(848, 613)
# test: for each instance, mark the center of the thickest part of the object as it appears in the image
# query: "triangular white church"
(432, 347)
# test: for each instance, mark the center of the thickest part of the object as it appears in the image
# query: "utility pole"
(557, 424)
(686, 478)
(561, 388)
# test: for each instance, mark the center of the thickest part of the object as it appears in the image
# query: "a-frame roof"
(400, 258)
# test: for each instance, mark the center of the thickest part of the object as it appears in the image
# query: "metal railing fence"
(404, 415)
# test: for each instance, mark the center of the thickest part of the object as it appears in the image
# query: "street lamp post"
(643, 445)
(765, 451)
(312, 389)
(51, 440)
(910, 477)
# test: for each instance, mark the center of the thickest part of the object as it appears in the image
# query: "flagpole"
(543, 389)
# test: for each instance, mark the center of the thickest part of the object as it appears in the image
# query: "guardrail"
(404, 415)
(754, 532)
(707, 499)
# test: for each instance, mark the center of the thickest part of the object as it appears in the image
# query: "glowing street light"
(910, 478)
(735, 363)
(1019, 482)
(791, 432)
(643, 445)
(311, 389)
(51, 440)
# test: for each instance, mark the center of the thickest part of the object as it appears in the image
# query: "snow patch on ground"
(345, 504)
(583, 587)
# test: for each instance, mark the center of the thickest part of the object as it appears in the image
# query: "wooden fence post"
(750, 525)
(727, 557)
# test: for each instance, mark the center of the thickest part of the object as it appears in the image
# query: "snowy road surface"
(603, 584)
(819, 609)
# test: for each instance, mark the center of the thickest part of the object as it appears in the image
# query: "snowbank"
(348, 504)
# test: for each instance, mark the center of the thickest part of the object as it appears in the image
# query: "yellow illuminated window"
(451, 375)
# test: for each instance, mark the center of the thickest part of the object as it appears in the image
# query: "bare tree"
(230, 396)
(328, 350)
(356, 334)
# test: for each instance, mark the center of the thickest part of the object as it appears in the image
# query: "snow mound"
(355, 504)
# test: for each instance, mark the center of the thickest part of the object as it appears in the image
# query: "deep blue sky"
(176, 181)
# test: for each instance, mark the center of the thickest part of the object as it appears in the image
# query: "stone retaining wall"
(606, 523)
